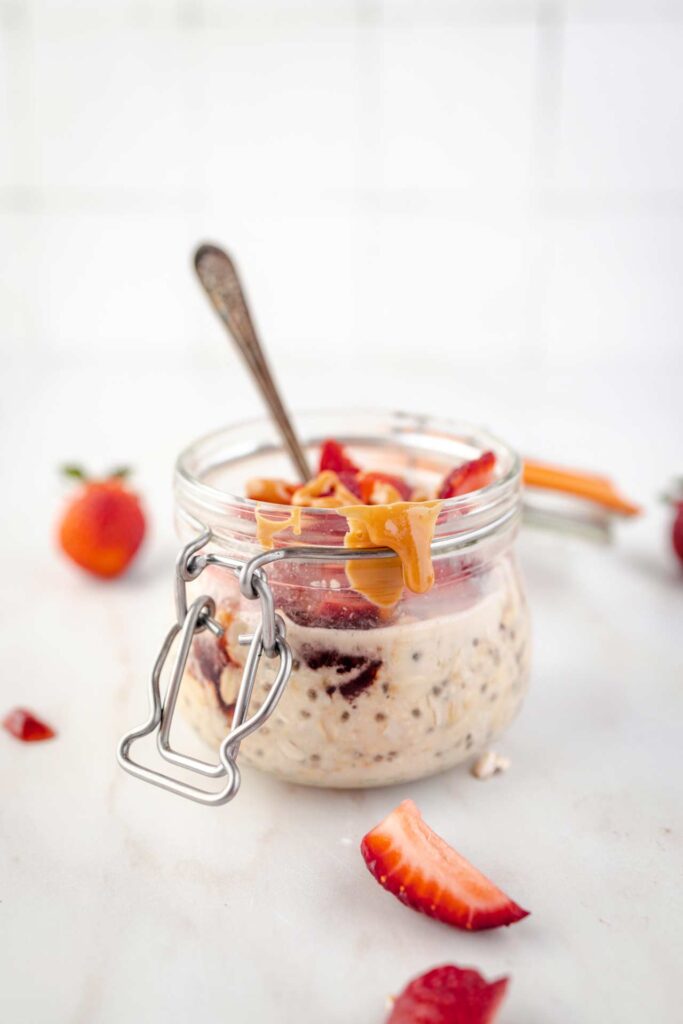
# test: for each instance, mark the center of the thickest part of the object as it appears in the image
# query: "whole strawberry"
(103, 525)
(677, 531)
(674, 498)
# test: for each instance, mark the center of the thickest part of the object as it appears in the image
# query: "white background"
(465, 208)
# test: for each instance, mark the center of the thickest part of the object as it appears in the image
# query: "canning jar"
(376, 695)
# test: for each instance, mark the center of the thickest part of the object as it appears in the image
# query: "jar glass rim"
(235, 444)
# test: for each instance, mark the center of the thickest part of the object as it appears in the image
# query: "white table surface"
(119, 902)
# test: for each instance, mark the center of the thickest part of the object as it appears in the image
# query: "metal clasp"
(268, 639)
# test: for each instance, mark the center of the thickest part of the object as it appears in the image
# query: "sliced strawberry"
(470, 476)
(409, 860)
(369, 490)
(26, 727)
(346, 609)
(352, 482)
(449, 995)
(327, 609)
(335, 457)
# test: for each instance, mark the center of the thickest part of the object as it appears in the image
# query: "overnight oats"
(402, 666)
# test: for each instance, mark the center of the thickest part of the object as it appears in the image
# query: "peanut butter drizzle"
(384, 493)
(267, 528)
(324, 491)
(407, 528)
(278, 492)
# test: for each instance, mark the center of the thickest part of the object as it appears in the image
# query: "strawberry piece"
(103, 526)
(449, 995)
(368, 488)
(346, 610)
(26, 727)
(677, 532)
(328, 609)
(409, 860)
(335, 457)
(470, 476)
(352, 482)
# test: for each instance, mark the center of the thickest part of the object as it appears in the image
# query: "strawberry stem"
(674, 495)
(73, 472)
(120, 473)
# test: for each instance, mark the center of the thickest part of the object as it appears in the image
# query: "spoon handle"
(220, 280)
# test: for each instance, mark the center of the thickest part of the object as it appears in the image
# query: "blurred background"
(472, 208)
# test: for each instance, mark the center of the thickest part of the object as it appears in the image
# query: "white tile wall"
(111, 109)
(466, 184)
(457, 106)
(611, 292)
(278, 111)
(622, 107)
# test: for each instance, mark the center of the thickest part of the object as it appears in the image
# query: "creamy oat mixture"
(366, 707)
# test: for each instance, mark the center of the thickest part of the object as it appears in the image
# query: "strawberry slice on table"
(409, 860)
(24, 726)
(470, 476)
(449, 995)
(334, 456)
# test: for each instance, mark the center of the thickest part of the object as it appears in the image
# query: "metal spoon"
(219, 278)
(220, 281)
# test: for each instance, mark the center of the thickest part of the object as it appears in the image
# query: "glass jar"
(375, 696)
